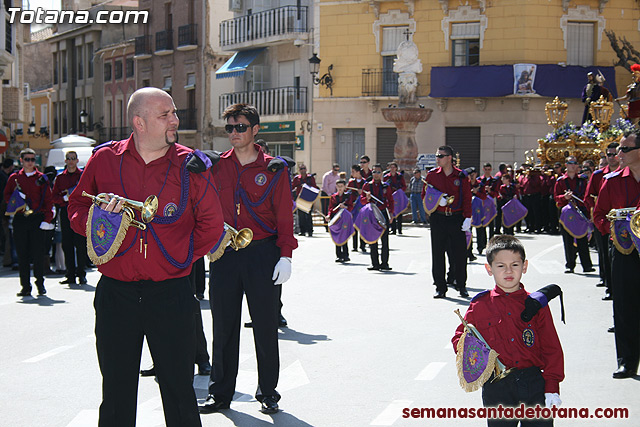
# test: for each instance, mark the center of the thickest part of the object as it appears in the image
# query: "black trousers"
(570, 251)
(625, 270)
(481, 238)
(604, 257)
(520, 386)
(446, 233)
(533, 204)
(544, 212)
(396, 225)
(342, 252)
(196, 279)
(356, 239)
(230, 278)
(29, 240)
(384, 240)
(305, 222)
(164, 313)
(74, 247)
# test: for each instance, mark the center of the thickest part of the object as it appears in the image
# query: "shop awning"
(238, 63)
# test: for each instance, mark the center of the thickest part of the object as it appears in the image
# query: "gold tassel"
(213, 257)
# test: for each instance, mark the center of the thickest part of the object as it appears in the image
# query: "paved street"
(361, 345)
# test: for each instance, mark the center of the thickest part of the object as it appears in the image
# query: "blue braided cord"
(266, 192)
(166, 175)
(169, 258)
(184, 196)
(264, 226)
(217, 245)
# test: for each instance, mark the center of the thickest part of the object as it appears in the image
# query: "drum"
(370, 223)
(378, 215)
(341, 227)
(307, 197)
(335, 218)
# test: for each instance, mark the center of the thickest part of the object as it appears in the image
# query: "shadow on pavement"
(44, 301)
(302, 338)
(280, 419)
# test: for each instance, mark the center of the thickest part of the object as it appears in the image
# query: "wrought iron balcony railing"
(188, 35)
(377, 82)
(143, 46)
(164, 40)
(270, 23)
(279, 100)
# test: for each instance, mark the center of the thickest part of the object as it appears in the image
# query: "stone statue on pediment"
(407, 65)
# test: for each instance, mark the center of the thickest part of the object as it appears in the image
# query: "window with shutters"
(391, 39)
(466, 142)
(465, 42)
(385, 143)
(580, 43)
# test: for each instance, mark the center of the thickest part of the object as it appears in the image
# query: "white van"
(80, 144)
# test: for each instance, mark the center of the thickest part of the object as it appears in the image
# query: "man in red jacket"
(29, 227)
(144, 290)
(73, 244)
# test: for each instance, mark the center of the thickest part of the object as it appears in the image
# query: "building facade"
(473, 57)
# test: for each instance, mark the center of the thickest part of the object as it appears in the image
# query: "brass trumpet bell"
(632, 214)
(634, 223)
(239, 239)
(147, 209)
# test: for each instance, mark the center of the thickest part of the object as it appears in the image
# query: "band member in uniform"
(621, 189)
(531, 190)
(364, 164)
(397, 182)
(144, 290)
(382, 191)
(355, 184)
(306, 222)
(449, 221)
(507, 192)
(29, 227)
(341, 200)
(73, 244)
(497, 222)
(252, 196)
(568, 187)
(602, 240)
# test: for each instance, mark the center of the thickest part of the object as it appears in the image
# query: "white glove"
(282, 272)
(443, 200)
(66, 198)
(22, 195)
(552, 399)
(46, 226)
(466, 224)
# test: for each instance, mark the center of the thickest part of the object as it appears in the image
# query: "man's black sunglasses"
(240, 128)
(626, 149)
(29, 159)
(442, 155)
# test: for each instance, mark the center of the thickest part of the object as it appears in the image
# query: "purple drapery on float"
(574, 222)
(400, 202)
(368, 224)
(513, 212)
(477, 212)
(490, 210)
(341, 227)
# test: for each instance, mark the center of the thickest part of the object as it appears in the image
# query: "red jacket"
(457, 185)
(118, 168)
(249, 191)
(576, 184)
(496, 315)
(298, 181)
(619, 190)
(396, 181)
(336, 199)
(593, 187)
(64, 182)
(38, 196)
(381, 191)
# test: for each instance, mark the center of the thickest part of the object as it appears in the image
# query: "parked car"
(61, 146)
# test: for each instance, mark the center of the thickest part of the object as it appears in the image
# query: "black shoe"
(600, 285)
(269, 405)
(151, 372)
(480, 251)
(204, 368)
(282, 322)
(199, 296)
(623, 372)
(611, 330)
(42, 290)
(472, 258)
(248, 325)
(82, 280)
(385, 268)
(338, 259)
(589, 270)
(439, 294)
(23, 294)
(212, 405)
(373, 268)
(69, 281)
(607, 297)
(568, 271)
(464, 293)
(399, 232)
(347, 259)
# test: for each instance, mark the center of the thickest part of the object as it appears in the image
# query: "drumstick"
(374, 197)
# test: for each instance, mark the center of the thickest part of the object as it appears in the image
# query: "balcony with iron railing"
(264, 28)
(188, 37)
(188, 119)
(164, 42)
(378, 82)
(270, 102)
(143, 47)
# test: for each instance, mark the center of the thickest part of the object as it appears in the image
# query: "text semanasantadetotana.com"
(519, 412)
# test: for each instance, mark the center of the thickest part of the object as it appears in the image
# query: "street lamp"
(44, 133)
(83, 120)
(314, 68)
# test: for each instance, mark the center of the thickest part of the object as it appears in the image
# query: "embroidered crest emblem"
(456, 183)
(528, 337)
(261, 179)
(170, 209)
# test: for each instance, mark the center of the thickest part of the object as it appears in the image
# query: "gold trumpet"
(147, 209)
(624, 214)
(239, 239)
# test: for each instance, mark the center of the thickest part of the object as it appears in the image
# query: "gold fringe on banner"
(213, 257)
(475, 385)
(113, 250)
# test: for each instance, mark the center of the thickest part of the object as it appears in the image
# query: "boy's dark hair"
(447, 149)
(6, 163)
(341, 181)
(503, 242)
(249, 111)
(377, 165)
(487, 165)
(613, 145)
(417, 171)
(392, 164)
(263, 144)
(356, 168)
(365, 157)
(26, 151)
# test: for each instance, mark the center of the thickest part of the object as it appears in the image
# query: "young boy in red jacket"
(531, 348)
